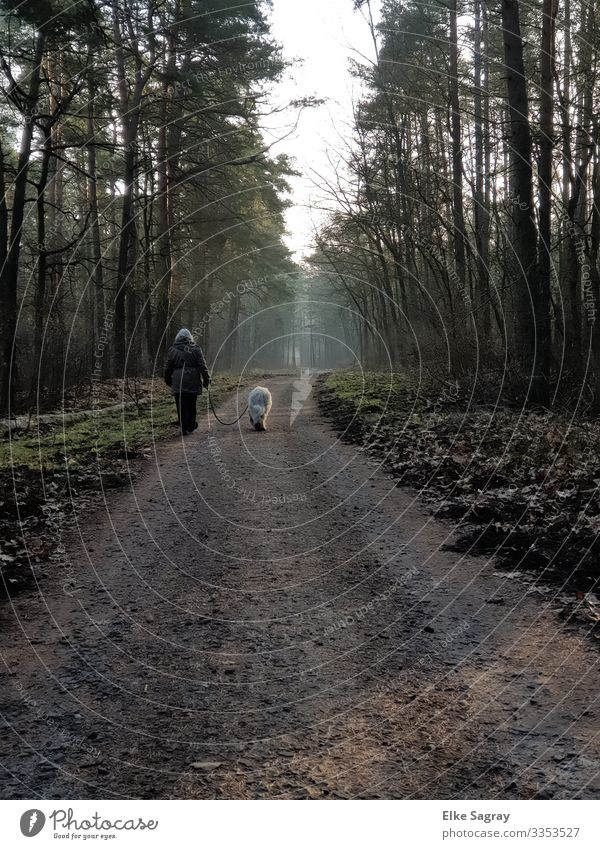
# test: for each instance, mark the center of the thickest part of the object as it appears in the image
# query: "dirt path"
(267, 615)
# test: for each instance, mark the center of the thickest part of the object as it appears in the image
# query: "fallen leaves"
(521, 485)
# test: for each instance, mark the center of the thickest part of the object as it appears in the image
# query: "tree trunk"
(482, 175)
(102, 361)
(458, 215)
(546, 145)
(39, 299)
(130, 100)
(521, 188)
(9, 273)
(164, 225)
(55, 226)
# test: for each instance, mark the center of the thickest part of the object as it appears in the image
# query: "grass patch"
(63, 461)
(101, 434)
(373, 392)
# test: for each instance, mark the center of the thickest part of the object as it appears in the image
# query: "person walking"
(186, 372)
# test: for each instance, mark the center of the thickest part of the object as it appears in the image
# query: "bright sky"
(325, 34)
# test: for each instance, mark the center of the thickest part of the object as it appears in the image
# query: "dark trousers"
(186, 410)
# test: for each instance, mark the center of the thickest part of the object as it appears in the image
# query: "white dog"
(259, 407)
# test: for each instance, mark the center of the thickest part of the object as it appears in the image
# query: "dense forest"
(136, 189)
(138, 192)
(465, 229)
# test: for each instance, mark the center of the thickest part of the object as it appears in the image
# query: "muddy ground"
(268, 615)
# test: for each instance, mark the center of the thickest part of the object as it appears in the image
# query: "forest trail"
(203, 642)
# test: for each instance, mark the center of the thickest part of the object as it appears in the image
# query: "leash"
(216, 415)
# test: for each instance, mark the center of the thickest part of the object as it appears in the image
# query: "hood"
(184, 335)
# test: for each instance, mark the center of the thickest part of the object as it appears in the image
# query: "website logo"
(32, 822)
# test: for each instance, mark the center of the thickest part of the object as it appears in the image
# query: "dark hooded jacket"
(185, 369)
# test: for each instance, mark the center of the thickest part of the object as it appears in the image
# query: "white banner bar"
(305, 825)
